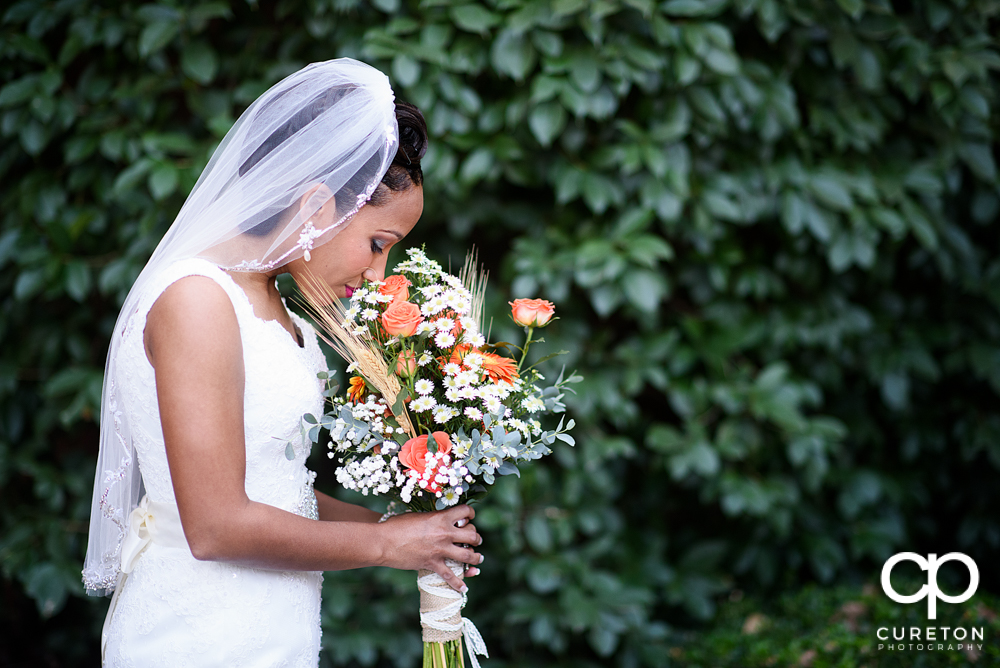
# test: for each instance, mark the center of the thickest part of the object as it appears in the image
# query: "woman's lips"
(349, 291)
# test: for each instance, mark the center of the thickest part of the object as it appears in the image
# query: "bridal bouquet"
(433, 412)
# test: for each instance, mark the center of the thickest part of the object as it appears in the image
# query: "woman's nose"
(371, 274)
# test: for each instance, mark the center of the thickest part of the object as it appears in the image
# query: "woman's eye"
(378, 246)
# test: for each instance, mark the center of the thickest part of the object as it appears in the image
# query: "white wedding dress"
(173, 610)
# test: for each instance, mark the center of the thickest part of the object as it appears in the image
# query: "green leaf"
(476, 166)
(163, 181)
(474, 18)
(512, 54)
(686, 68)
(831, 192)
(585, 72)
(130, 176)
(644, 289)
(536, 530)
(979, 158)
(692, 7)
(722, 62)
(602, 639)
(406, 70)
(78, 280)
(198, 61)
(547, 122)
(29, 283)
(157, 35)
(46, 584)
(566, 7)
(33, 137)
(720, 206)
(18, 91)
(852, 7)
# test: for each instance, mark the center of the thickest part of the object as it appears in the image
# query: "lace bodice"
(281, 385)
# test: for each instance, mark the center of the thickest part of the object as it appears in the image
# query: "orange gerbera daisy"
(356, 391)
(458, 353)
(499, 368)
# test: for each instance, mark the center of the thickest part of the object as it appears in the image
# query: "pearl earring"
(306, 256)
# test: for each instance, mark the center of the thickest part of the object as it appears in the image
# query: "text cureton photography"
(930, 638)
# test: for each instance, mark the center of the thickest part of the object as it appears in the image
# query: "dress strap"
(182, 269)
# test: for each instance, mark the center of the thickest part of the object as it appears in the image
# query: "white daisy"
(444, 340)
(533, 404)
(473, 413)
(421, 404)
(424, 386)
(444, 413)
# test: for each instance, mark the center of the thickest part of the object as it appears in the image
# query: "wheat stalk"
(474, 281)
(353, 344)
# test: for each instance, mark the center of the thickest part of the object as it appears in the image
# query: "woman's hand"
(422, 541)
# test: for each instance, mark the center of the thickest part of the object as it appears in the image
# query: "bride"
(208, 375)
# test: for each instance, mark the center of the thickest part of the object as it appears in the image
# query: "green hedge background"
(769, 226)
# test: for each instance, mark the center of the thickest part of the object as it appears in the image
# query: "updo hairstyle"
(404, 172)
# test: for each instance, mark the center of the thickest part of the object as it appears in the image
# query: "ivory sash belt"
(150, 522)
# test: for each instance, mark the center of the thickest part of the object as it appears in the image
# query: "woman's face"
(360, 250)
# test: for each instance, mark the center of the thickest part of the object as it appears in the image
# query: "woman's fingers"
(471, 572)
(467, 536)
(461, 512)
(465, 555)
(453, 580)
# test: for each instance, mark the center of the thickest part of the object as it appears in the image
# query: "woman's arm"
(193, 342)
(335, 510)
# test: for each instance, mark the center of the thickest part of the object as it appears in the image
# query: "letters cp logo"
(930, 590)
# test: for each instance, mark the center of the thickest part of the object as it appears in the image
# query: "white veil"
(331, 124)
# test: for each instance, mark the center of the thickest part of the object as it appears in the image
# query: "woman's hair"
(404, 172)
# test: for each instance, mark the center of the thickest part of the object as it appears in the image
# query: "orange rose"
(414, 451)
(395, 286)
(401, 319)
(406, 364)
(499, 368)
(531, 312)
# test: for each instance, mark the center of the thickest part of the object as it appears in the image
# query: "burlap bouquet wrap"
(440, 605)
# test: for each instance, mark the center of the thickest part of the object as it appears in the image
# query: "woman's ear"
(319, 198)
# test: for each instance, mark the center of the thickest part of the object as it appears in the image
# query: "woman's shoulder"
(189, 278)
(191, 302)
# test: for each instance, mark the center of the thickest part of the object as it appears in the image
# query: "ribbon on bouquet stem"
(440, 613)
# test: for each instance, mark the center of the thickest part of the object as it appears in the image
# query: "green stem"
(524, 350)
